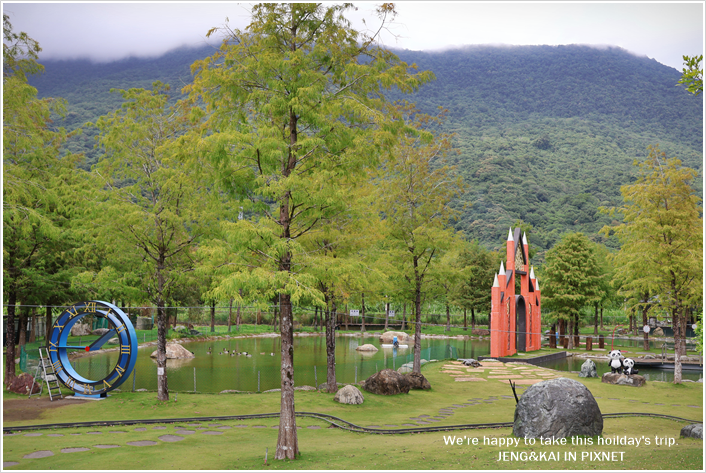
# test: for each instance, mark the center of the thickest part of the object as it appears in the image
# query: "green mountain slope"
(546, 134)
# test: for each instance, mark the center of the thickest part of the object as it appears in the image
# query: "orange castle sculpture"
(516, 319)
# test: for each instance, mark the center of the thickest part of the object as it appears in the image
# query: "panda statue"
(616, 364)
(628, 366)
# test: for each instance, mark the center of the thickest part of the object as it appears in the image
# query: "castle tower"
(515, 318)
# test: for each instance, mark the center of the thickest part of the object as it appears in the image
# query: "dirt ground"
(30, 409)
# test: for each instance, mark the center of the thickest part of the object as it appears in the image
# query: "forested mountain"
(545, 134)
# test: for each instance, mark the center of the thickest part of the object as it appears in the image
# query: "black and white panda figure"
(616, 364)
(628, 366)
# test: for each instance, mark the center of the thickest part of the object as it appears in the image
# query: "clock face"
(59, 347)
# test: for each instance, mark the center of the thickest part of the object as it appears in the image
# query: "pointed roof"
(502, 268)
(532, 273)
(509, 235)
(524, 238)
(495, 282)
(536, 285)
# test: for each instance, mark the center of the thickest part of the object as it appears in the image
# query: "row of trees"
(283, 175)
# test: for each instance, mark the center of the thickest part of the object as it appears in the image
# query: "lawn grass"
(329, 448)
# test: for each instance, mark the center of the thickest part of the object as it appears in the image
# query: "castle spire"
(495, 282)
(509, 235)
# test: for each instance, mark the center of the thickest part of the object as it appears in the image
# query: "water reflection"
(215, 373)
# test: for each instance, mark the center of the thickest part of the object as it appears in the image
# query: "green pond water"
(215, 373)
(218, 372)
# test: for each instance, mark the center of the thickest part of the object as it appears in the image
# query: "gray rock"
(658, 332)
(470, 362)
(623, 379)
(387, 382)
(418, 381)
(79, 330)
(557, 408)
(100, 331)
(366, 347)
(695, 431)
(588, 370)
(349, 395)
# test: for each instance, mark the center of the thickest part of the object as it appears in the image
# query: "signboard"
(392, 313)
(355, 313)
(646, 329)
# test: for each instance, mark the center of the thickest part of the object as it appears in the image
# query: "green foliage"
(662, 233)
(692, 74)
(571, 276)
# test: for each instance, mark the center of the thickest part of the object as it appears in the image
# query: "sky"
(664, 31)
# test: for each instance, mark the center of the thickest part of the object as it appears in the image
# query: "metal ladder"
(49, 376)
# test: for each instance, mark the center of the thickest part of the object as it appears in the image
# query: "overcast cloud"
(111, 31)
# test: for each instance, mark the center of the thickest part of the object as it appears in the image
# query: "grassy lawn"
(332, 449)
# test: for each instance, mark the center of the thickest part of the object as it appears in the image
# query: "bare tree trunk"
(404, 314)
(213, 316)
(23, 327)
(287, 442)
(602, 327)
(331, 345)
(387, 314)
(362, 316)
(162, 385)
(230, 313)
(465, 325)
(570, 333)
(448, 318)
(10, 353)
(417, 365)
(645, 335)
(595, 320)
(48, 322)
(33, 331)
(473, 318)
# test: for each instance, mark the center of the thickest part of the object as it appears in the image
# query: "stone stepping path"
(142, 443)
(106, 446)
(170, 438)
(74, 450)
(39, 454)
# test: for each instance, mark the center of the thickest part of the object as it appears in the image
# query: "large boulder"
(23, 383)
(387, 337)
(588, 369)
(695, 431)
(387, 382)
(144, 323)
(557, 408)
(349, 395)
(623, 379)
(175, 351)
(79, 330)
(658, 332)
(418, 381)
(100, 331)
(366, 347)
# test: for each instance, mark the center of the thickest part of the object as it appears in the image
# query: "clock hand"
(98, 344)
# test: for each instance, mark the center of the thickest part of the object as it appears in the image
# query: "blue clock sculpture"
(119, 326)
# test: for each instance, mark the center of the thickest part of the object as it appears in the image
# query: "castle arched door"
(521, 325)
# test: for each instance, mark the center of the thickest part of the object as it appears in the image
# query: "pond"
(218, 372)
(572, 363)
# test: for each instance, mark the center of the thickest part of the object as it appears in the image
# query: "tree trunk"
(404, 314)
(10, 353)
(602, 328)
(387, 315)
(48, 322)
(230, 313)
(465, 324)
(23, 327)
(162, 385)
(595, 320)
(213, 317)
(331, 345)
(473, 318)
(645, 335)
(417, 365)
(33, 331)
(287, 442)
(345, 316)
(362, 315)
(448, 318)
(570, 333)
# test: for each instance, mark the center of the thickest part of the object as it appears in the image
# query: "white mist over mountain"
(105, 32)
